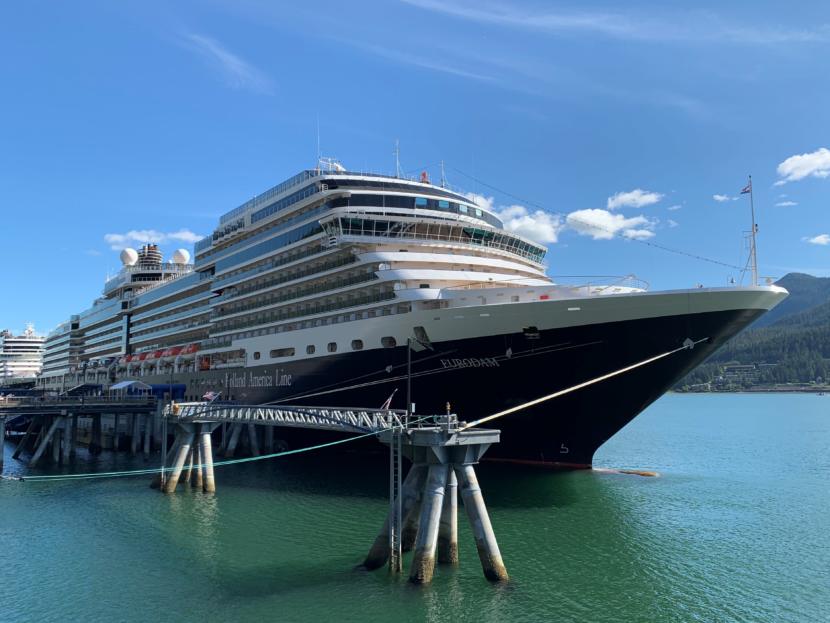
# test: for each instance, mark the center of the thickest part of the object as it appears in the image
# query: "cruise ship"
(21, 356)
(318, 290)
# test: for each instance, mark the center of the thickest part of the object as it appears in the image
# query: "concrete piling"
(410, 489)
(26, 438)
(252, 437)
(2, 441)
(423, 561)
(45, 439)
(181, 457)
(409, 531)
(488, 549)
(157, 479)
(97, 433)
(207, 459)
(448, 527)
(198, 481)
(116, 435)
(136, 434)
(269, 439)
(148, 427)
(188, 472)
(73, 436)
(236, 430)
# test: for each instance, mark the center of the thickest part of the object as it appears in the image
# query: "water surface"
(735, 528)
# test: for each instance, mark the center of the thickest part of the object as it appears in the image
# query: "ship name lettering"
(264, 380)
(471, 362)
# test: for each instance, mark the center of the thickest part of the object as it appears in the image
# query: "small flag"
(211, 396)
(386, 405)
(746, 189)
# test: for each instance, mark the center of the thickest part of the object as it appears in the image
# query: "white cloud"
(538, 225)
(605, 225)
(786, 204)
(675, 207)
(138, 237)
(721, 198)
(822, 239)
(636, 198)
(813, 164)
(236, 72)
(672, 223)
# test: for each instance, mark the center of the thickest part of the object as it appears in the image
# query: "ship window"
(388, 341)
(462, 209)
(424, 286)
(357, 344)
(443, 204)
(310, 349)
(282, 352)
(478, 212)
(332, 347)
(257, 355)
(420, 201)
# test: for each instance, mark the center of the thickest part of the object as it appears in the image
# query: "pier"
(423, 507)
(56, 425)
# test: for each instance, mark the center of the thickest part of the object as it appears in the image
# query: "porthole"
(332, 347)
(256, 355)
(389, 341)
(357, 344)
(309, 350)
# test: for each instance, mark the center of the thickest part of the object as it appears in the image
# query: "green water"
(735, 528)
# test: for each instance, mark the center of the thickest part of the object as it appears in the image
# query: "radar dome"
(181, 256)
(129, 257)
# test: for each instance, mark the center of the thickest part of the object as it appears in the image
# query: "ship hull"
(479, 376)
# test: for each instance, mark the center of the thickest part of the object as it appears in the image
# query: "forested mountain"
(797, 341)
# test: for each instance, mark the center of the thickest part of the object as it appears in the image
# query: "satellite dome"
(181, 256)
(129, 257)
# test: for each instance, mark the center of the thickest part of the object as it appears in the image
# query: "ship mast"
(753, 249)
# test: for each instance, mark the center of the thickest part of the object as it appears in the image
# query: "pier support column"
(73, 436)
(409, 531)
(46, 438)
(488, 548)
(26, 438)
(2, 441)
(448, 528)
(236, 430)
(269, 439)
(181, 457)
(157, 479)
(205, 444)
(148, 428)
(116, 437)
(188, 473)
(96, 434)
(253, 440)
(198, 480)
(423, 561)
(410, 490)
(136, 434)
(56, 440)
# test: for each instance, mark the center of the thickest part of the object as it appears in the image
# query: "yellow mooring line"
(688, 345)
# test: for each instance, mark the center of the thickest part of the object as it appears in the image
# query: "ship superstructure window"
(310, 349)
(421, 202)
(357, 344)
(332, 347)
(389, 341)
(257, 355)
(282, 352)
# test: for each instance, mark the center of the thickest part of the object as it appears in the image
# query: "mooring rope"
(568, 390)
(159, 470)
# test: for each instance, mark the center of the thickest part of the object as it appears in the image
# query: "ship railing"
(600, 284)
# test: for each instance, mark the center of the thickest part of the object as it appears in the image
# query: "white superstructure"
(21, 356)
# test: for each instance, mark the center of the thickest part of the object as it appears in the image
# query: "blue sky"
(147, 120)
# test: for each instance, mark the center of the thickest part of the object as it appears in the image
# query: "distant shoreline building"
(21, 356)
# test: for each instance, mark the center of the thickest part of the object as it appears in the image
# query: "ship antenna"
(318, 142)
(397, 158)
(753, 249)
(443, 176)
